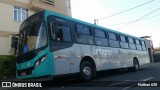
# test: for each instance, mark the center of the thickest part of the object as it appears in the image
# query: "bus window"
(83, 34)
(123, 42)
(83, 29)
(62, 33)
(112, 36)
(113, 40)
(137, 42)
(99, 33)
(142, 42)
(143, 46)
(100, 38)
(131, 43)
(130, 40)
(123, 39)
(139, 47)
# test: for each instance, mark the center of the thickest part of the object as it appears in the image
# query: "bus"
(52, 44)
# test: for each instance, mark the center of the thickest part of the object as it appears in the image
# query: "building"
(14, 12)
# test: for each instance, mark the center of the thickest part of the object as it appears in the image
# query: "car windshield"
(32, 37)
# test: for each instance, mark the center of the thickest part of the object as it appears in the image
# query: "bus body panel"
(43, 69)
(67, 60)
(63, 60)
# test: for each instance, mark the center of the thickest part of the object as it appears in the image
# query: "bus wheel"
(86, 71)
(136, 65)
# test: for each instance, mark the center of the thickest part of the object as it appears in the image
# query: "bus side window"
(123, 42)
(61, 33)
(143, 46)
(131, 43)
(113, 40)
(139, 47)
(100, 37)
(83, 29)
(99, 33)
(83, 34)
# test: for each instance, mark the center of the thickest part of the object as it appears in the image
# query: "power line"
(140, 18)
(134, 20)
(96, 20)
(126, 10)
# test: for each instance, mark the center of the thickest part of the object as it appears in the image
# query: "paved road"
(124, 80)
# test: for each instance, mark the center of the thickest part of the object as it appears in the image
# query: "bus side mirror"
(14, 42)
(52, 30)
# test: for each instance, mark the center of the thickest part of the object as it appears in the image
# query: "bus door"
(61, 44)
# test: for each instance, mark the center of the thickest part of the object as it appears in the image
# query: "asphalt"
(122, 80)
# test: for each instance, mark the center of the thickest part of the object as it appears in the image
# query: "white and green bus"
(51, 44)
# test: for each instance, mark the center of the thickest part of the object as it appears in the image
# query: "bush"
(7, 66)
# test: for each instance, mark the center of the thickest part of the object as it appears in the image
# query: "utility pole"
(95, 21)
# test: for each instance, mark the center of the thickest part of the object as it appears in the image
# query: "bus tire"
(135, 66)
(86, 71)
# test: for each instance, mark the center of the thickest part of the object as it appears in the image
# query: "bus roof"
(48, 12)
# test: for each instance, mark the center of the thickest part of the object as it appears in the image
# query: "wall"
(4, 44)
(7, 23)
(8, 27)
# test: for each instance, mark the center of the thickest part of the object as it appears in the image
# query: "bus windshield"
(32, 36)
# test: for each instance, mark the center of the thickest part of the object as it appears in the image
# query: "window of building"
(20, 14)
(68, 4)
(99, 33)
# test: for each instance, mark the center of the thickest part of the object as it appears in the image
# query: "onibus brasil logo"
(20, 84)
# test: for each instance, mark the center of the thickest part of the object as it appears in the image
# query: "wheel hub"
(136, 66)
(87, 71)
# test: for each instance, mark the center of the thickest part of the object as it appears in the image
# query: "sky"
(88, 10)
